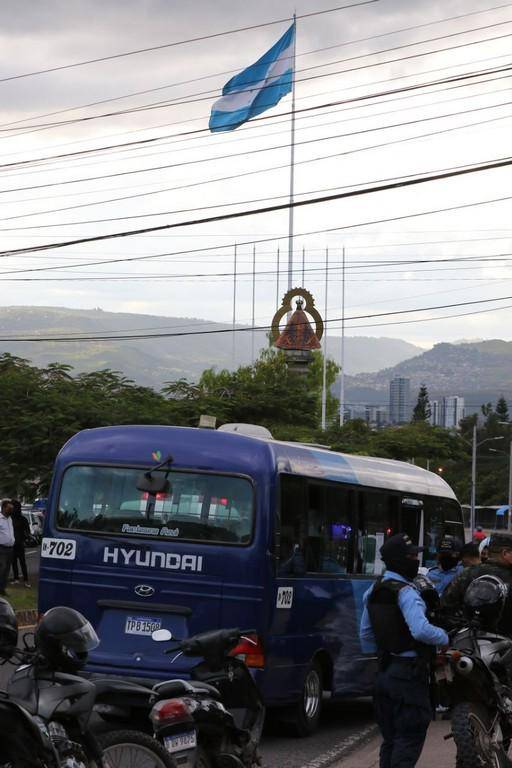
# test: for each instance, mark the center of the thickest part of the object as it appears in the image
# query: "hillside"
(153, 361)
(479, 371)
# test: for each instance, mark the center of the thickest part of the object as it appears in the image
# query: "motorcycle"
(477, 668)
(59, 705)
(215, 719)
(25, 742)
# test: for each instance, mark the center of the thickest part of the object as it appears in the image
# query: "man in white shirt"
(6, 542)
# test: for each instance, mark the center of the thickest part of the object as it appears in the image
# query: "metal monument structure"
(297, 340)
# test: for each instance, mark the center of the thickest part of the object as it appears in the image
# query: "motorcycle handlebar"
(215, 641)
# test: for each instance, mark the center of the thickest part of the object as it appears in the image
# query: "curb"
(26, 618)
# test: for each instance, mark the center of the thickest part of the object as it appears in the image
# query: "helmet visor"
(82, 639)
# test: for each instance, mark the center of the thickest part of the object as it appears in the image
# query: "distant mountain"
(152, 361)
(479, 371)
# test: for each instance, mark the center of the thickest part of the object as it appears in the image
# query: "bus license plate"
(180, 741)
(141, 626)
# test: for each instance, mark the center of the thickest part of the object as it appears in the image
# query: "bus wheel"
(306, 713)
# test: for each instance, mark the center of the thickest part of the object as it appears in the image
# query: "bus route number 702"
(284, 597)
(62, 549)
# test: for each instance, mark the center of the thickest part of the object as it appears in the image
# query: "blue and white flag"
(257, 88)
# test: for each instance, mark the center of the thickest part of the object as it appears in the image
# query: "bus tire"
(306, 713)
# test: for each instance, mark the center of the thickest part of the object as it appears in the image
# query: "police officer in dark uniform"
(395, 626)
(499, 563)
(448, 563)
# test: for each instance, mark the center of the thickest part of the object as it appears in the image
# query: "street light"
(509, 520)
(473, 475)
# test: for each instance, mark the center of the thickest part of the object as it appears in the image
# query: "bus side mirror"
(153, 484)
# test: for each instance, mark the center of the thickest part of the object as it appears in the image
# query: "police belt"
(418, 663)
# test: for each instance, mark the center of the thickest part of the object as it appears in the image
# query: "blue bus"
(255, 533)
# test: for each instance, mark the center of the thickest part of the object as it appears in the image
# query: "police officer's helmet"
(8, 630)
(485, 600)
(428, 592)
(64, 638)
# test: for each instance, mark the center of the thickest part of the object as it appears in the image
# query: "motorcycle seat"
(170, 689)
(29, 704)
(110, 685)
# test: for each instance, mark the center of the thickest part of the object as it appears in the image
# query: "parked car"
(35, 523)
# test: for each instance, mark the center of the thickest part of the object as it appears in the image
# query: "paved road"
(341, 725)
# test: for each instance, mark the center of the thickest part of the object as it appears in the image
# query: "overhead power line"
(264, 210)
(200, 97)
(18, 123)
(182, 42)
(285, 146)
(253, 241)
(110, 219)
(245, 329)
(304, 112)
(254, 124)
(477, 262)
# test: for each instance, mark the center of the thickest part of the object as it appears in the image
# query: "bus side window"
(378, 519)
(434, 529)
(442, 517)
(328, 547)
(453, 521)
(292, 527)
(317, 530)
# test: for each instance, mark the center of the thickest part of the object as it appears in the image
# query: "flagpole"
(342, 372)
(253, 299)
(233, 348)
(324, 367)
(278, 270)
(292, 162)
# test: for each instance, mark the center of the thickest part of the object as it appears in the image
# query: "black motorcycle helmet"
(64, 638)
(485, 600)
(8, 630)
(428, 592)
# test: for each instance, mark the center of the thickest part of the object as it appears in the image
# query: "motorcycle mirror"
(161, 635)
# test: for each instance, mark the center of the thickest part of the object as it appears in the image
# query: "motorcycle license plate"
(139, 625)
(180, 741)
(444, 672)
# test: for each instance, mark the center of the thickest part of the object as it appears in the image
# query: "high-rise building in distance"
(399, 400)
(447, 412)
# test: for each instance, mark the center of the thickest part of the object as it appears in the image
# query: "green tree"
(265, 393)
(422, 410)
(502, 409)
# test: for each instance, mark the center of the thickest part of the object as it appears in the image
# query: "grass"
(21, 598)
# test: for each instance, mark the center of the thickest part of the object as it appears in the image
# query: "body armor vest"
(389, 626)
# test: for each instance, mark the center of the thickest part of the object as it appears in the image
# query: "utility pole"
(324, 370)
(473, 484)
(509, 522)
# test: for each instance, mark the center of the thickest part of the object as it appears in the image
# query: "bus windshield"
(198, 506)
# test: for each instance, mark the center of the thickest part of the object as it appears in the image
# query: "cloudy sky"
(378, 49)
